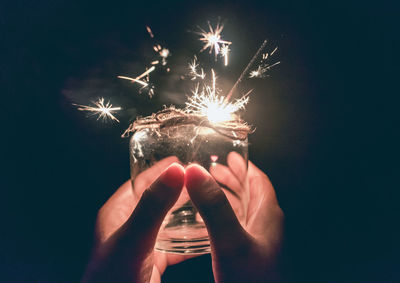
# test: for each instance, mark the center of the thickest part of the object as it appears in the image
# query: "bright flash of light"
(212, 39)
(103, 110)
(225, 52)
(193, 70)
(208, 103)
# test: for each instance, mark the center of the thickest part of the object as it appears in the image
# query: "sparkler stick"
(246, 70)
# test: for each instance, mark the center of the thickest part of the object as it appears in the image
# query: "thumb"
(224, 229)
(147, 217)
(125, 254)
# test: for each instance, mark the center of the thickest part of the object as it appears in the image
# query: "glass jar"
(183, 230)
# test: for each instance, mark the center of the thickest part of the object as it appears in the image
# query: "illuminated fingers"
(224, 229)
(238, 165)
(155, 202)
(147, 177)
(225, 177)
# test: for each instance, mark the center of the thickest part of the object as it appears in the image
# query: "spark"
(224, 52)
(133, 80)
(212, 39)
(145, 83)
(229, 95)
(193, 70)
(151, 69)
(103, 110)
(257, 73)
(137, 79)
(261, 70)
(208, 103)
(264, 66)
(164, 53)
(149, 31)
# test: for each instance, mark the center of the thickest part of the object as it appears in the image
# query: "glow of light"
(212, 39)
(208, 103)
(103, 110)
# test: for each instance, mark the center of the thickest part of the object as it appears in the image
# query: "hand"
(239, 254)
(127, 228)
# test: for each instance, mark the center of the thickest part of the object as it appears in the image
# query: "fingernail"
(195, 176)
(173, 176)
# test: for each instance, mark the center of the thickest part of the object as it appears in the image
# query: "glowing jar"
(183, 230)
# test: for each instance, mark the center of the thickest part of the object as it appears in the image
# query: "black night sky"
(325, 119)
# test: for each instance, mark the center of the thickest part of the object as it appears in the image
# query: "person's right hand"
(239, 254)
(127, 226)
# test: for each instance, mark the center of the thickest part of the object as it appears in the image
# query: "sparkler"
(205, 100)
(103, 110)
(212, 39)
(212, 105)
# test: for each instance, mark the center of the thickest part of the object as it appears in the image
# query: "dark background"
(326, 128)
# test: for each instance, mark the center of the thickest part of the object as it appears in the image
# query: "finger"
(265, 222)
(114, 212)
(234, 191)
(148, 176)
(238, 166)
(146, 219)
(223, 227)
(260, 182)
(223, 175)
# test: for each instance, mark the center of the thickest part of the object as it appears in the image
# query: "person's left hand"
(126, 229)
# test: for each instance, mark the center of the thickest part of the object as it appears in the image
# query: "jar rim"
(172, 117)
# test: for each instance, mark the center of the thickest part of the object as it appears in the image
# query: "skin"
(126, 228)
